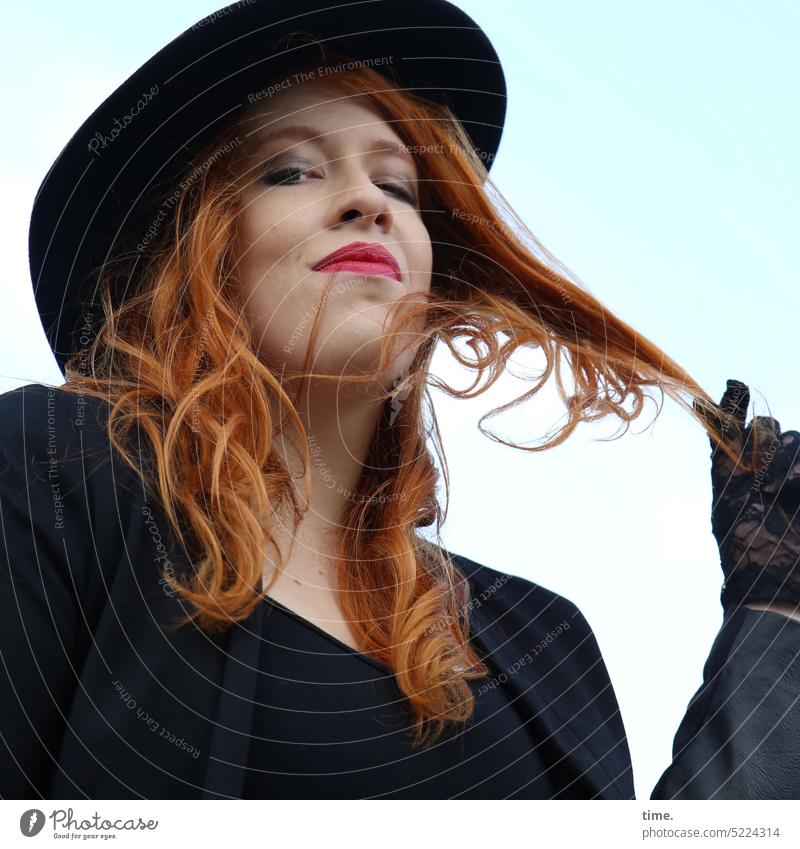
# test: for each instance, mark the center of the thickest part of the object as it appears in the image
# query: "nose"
(358, 201)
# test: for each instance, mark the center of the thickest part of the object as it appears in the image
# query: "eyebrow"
(302, 132)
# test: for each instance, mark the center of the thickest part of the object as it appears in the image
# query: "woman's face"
(339, 181)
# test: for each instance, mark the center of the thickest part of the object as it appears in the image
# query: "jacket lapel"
(227, 761)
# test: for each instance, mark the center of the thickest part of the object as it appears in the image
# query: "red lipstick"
(362, 258)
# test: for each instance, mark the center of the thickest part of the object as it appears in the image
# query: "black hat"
(92, 194)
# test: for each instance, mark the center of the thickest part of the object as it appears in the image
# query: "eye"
(284, 176)
(288, 177)
(400, 192)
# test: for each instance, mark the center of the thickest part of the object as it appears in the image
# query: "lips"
(363, 258)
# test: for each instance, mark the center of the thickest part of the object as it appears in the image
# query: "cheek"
(267, 270)
(281, 293)
(422, 259)
(267, 242)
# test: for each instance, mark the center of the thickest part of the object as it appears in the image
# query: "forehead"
(328, 109)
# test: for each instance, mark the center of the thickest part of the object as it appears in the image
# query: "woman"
(230, 597)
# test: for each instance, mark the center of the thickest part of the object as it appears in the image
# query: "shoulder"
(512, 592)
(516, 605)
(46, 420)
(517, 618)
(59, 437)
(68, 500)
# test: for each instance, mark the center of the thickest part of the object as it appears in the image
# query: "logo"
(31, 822)
(65, 825)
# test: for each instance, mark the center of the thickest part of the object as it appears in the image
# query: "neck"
(340, 420)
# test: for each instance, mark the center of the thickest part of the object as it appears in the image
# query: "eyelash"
(271, 180)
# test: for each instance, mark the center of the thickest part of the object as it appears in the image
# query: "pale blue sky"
(653, 148)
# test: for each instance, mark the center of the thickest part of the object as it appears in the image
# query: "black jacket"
(99, 699)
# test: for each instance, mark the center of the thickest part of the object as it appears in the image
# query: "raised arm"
(740, 737)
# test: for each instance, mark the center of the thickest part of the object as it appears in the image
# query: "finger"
(735, 401)
(762, 441)
(727, 419)
(782, 477)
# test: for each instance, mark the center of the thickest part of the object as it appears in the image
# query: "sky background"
(653, 149)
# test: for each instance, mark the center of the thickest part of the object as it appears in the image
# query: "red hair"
(176, 359)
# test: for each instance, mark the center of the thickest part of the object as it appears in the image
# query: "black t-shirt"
(331, 723)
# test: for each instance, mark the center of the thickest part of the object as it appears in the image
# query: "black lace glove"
(755, 516)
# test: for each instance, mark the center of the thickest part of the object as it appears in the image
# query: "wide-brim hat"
(88, 205)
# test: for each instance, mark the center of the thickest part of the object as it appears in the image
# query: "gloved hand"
(755, 516)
